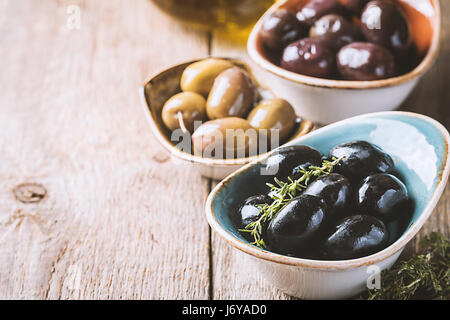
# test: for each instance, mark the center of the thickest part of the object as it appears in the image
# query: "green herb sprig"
(282, 193)
(425, 276)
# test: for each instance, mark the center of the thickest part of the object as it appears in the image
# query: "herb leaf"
(282, 193)
(425, 276)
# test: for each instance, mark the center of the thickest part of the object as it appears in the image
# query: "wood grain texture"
(119, 220)
(71, 120)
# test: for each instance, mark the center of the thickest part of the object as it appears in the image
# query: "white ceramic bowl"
(325, 101)
(159, 88)
(419, 148)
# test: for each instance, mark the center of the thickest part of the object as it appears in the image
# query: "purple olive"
(335, 31)
(315, 9)
(310, 57)
(384, 24)
(280, 28)
(354, 6)
(365, 61)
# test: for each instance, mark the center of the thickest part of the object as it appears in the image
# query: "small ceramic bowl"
(419, 148)
(325, 101)
(159, 88)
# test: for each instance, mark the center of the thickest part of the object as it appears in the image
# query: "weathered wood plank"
(119, 220)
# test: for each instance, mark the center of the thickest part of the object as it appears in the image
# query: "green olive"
(182, 109)
(274, 114)
(199, 76)
(227, 138)
(232, 95)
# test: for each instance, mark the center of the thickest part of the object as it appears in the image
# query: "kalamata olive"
(273, 114)
(355, 237)
(384, 24)
(361, 159)
(335, 31)
(232, 94)
(354, 6)
(230, 137)
(284, 162)
(365, 61)
(280, 28)
(382, 195)
(249, 211)
(310, 57)
(297, 225)
(183, 109)
(334, 189)
(315, 9)
(199, 76)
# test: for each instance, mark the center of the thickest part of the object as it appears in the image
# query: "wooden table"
(111, 217)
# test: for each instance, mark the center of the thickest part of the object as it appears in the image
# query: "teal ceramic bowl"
(419, 147)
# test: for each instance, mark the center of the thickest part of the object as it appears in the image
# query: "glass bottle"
(227, 16)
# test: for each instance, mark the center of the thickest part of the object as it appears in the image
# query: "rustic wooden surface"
(117, 220)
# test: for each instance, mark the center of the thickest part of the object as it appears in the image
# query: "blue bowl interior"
(418, 148)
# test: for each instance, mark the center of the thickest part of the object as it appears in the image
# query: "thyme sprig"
(283, 192)
(425, 276)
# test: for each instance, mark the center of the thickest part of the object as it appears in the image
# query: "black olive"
(280, 28)
(297, 225)
(335, 31)
(284, 161)
(398, 227)
(360, 160)
(315, 9)
(249, 211)
(384, 24)
(334, 189)
(355, 237)
(382, 195)
(365, 61)
(311, 57)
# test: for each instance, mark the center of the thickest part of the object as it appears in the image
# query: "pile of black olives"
(357, 40)
(357, 209)
(221, 97)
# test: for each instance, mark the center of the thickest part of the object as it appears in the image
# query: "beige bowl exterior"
(326, 105)
(315, 284)
(325, 101)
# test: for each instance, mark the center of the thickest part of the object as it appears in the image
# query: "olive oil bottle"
(233, 17)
